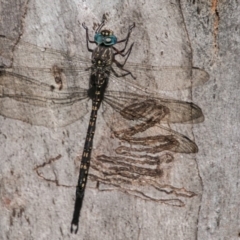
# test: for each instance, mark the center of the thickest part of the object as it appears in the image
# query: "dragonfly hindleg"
(123, 55)
(121, 75)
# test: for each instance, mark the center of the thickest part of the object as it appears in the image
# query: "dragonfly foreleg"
(125, 39)
(101, 25)
(87, 38)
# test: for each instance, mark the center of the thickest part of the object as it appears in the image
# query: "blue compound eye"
(110, 40)
(98, 38)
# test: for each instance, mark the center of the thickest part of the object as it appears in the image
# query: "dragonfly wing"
(178, 111)
(34, 102)
(165, 78)
(139, 120)
(44, 64)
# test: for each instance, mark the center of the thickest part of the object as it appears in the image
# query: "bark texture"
(191, 196)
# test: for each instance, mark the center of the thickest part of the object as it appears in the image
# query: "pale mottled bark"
(197, 196)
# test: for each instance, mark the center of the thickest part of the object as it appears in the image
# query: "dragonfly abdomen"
(86, 156)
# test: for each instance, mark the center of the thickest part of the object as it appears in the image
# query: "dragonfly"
(53, 80)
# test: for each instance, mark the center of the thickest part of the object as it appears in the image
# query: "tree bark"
(190, 196)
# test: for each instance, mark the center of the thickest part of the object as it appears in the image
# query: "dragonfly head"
(105, 37)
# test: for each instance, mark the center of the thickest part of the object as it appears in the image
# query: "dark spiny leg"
(125, 39)
(129, 32)
(123, 55)
(100, 26)
(122, 75)
(87, 38)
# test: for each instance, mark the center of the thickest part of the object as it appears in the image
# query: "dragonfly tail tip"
(73, 226)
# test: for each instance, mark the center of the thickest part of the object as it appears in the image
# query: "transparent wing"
(166, 78)
(37, 103)
(140, 121)
(134, 106)
(42, 86)
(44, 64)
(43, 56)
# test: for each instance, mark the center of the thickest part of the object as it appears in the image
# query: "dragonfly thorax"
(102, 56)
(101, 67)
(102, 59)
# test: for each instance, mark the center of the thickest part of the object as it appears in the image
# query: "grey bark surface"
(39, 165)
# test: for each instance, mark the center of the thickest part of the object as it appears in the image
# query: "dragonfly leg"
(128, 35)
(87, 38)
(101, 25)
(123, 55)
(124, 74)
(125, 39)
